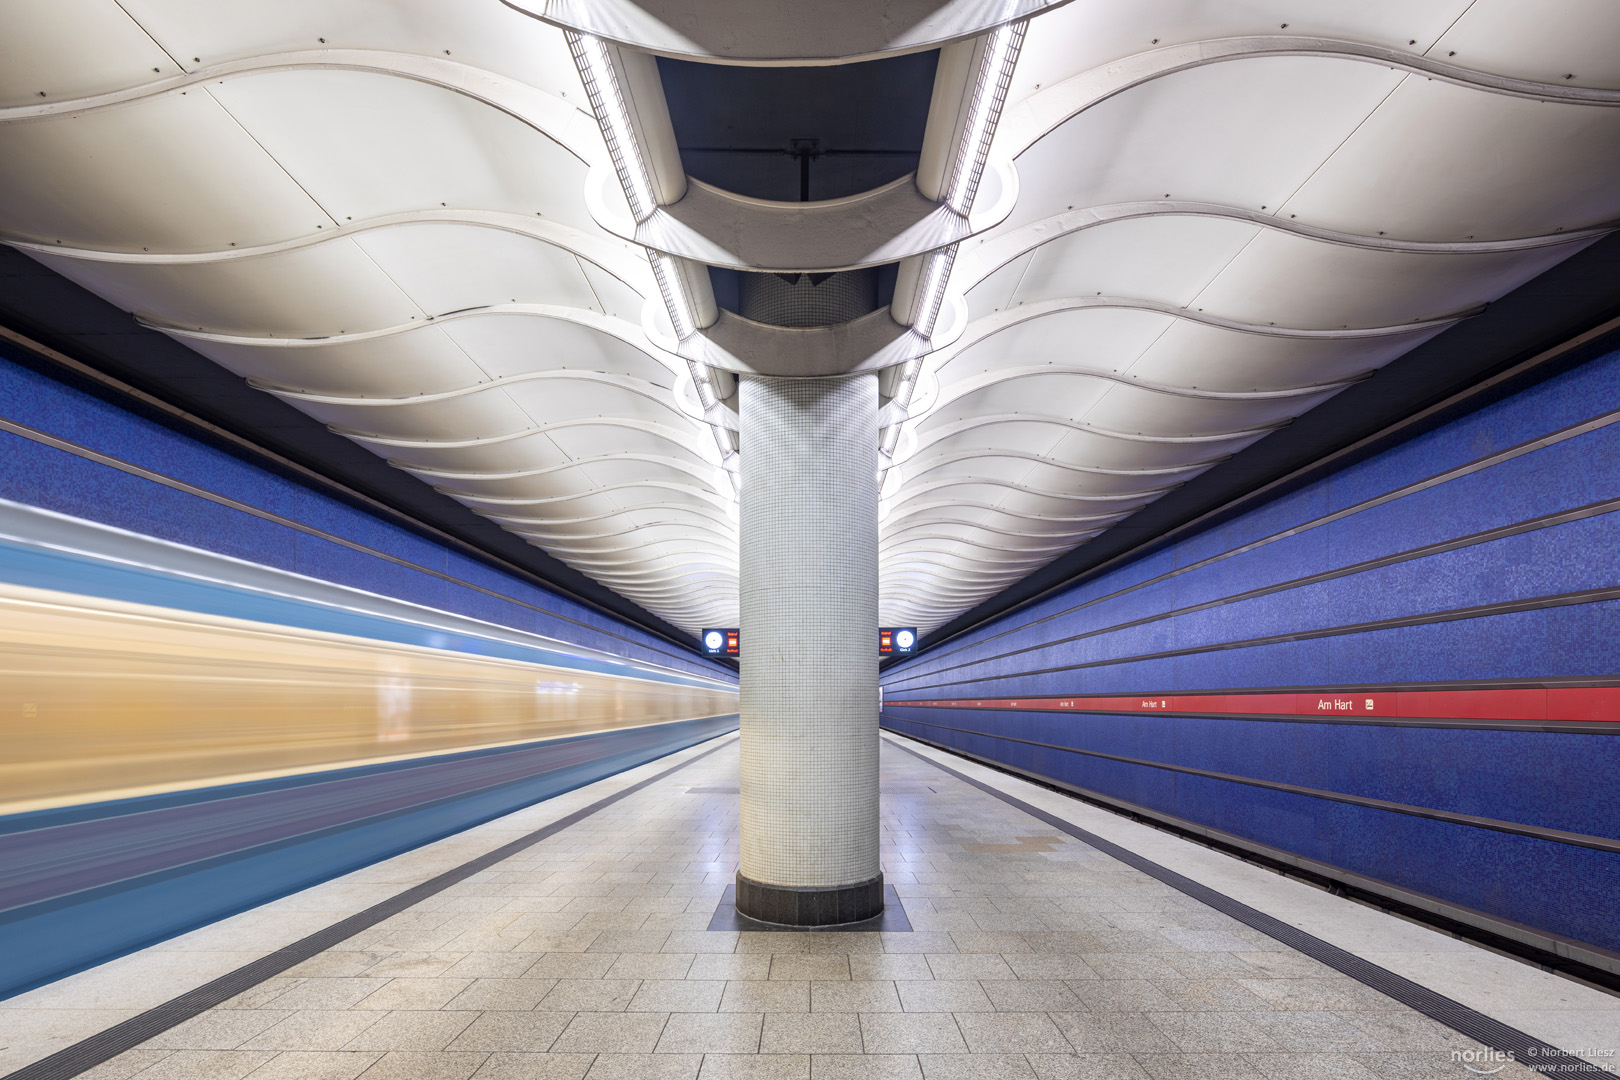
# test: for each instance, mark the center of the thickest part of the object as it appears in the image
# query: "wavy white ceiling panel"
(171, 173)
(1432, 163)
(423, 361)
(1314, 284)
(511, 344)
(1242, 133)
(1167, 259)
(1089, 33)
(365, 145)
(1546, 40)
(449, 267)
(325, 290)
(489, 36)
(1225, 213)
(70, 48)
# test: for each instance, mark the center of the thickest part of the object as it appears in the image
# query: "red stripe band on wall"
(1559, 704)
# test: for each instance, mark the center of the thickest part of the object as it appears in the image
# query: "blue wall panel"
(42, 476)
(1527, 467)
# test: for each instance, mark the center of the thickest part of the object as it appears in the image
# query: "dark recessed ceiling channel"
(804, 300)
(800, 134)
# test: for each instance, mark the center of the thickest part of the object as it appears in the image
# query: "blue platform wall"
(40, 475)
(1246, 605)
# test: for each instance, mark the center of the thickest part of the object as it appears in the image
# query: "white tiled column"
(809, 650)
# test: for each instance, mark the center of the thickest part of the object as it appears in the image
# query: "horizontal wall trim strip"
(1478, 611)
(1534, 832)
(1468, 468)
(1585, 705)
(1501, 532)
(1592, 963)
(56, 443)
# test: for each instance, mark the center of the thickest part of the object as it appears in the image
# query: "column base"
(789, 905)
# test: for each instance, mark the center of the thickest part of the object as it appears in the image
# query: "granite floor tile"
(423, 1065)
(958, 966)
(1031, 995)
(1201, 1031)
(734, 966)
(1095, 1067)
(1309, 1066)
(314, 1029)
(854, 997)
(511, 1032)
(911, 1033)
(611, 1033)
(413, 993)
(590, 995)
(1178, 1066)
(223, 1029)
(945, 995)
(412, 1031)
(817, 1033)
(800, 967)
(766, 996)
(645, 1067)
(865, 1067)
(502, 994)
(1118, 1032)
(1009, 1032)
(316, 1065)
(975, 1067)
(761, 1066)
(869, 967)
(206, 1065)
(502, 1066)
(711, 1033)
(677, 995)
(650, 966)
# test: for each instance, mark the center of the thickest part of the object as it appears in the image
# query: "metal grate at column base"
(893, 920)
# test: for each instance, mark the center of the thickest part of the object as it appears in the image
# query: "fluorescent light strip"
(602, 86)
(989, 94)
(936, 275)
(674, 292)
(601, 81)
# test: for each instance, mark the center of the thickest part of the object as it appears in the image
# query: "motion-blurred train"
(186, 735)
(109, 699)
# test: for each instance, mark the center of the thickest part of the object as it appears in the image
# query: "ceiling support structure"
(809, 561)
(811, 423)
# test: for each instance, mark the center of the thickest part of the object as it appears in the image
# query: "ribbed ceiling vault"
(1195, 221)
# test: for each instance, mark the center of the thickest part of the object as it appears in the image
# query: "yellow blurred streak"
(105, 699)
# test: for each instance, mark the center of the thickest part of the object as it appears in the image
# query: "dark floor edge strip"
(1524, 1048)
(103, 1046)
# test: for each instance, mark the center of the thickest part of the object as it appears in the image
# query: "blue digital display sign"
(721, 642)
(897, 640)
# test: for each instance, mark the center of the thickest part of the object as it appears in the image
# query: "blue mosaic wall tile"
(42, 476)
(1542, 779)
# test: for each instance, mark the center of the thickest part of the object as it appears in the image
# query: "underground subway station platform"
(893, 539)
